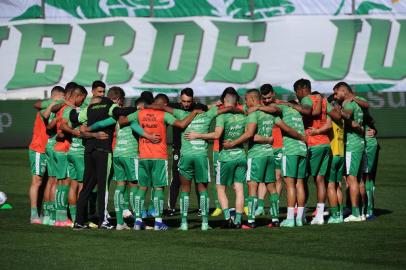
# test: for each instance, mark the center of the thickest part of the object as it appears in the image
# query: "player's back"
(39, 135)
(317, 122)
(153, 122)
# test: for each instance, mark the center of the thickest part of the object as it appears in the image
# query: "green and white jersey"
(200, 124)
(265, 123)
(372, 141)
(52, 137)
(76, 146)
(354, 142)
(234, 127)
(126, 143)
(293, 119)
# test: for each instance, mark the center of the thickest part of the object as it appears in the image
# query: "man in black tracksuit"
(98, 157)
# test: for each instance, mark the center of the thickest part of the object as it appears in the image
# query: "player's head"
(302, 88)
(98, 89)
(267, 93)
(342, 91)
(57, 92)
(230, 97)
(78, 95)
(186, 98)
(69, 87)
(161, 99)
(116, 94)
(252, 97)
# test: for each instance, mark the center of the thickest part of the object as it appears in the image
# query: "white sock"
(300, 211)
(158, 219)
(291, 213)
(138, 219)
(320, 210)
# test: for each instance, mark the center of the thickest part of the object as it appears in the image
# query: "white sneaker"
(127, 213)
(363, 218)
(316, 221)
(122, 227)
(352, 218)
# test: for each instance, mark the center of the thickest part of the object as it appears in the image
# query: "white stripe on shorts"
(166, 172)
(208, 170)
(37, 163)
(347, 162)
(136, 167)
(248, 176)
(218, 173)
(284, 166)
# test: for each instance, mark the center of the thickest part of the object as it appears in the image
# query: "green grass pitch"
(379, 244)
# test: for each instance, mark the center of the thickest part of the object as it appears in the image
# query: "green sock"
(184, 205)
(133, 192)
(45, 210)
(125, 203)
(159, 202)
(65, 193)
(261, 203)
(252, 203)
(52, 210)
(151, 201)
(204, 206)
(355, 211)
(216, 201)
(369, 186)
(59, 203)
(226, 213)
(334, 211)
(72, 210)
(274, 198)
(118, 203)
(238, 218)
(245, 186)
(139, 202)
(341, 209)
(34, 212)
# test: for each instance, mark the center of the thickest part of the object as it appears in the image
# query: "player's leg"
(202, 179)
(62, 189)
(175, 183)
(75, 172)
(104, 162)
(300, 191)
(239, 180)
(224, 175)
(290, 172)
(160, 181)
(270, 180)
(186, 175)
(144, 182)
(37, 164)
(262, 190)
(353, 163)
(217, 211)
(332, 191)
(278, 164)
(119, 177)
(372, 157)
(255, 174)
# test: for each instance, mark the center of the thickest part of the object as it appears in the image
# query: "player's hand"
(304, 139)
(218, 103)
(371, 132)
(191, 135)
(227, 145)
(197, 111)
(84, 128)
(155, 138)
(311, 131)
(101, 135)
(76, 133)
(252, 109)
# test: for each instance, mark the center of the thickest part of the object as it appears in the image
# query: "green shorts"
(371, 156)
(353, 162)
(125, 169)
(38, 162)
(76, 167)
(61, 165)
(51, 162)
(194, 167)
(336, 170)
(230, 172)
(277, 153)
(215, 159)
(261, 169)
(319, 159)
(294, 166)
(153, 172)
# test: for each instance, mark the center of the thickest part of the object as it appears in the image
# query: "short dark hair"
(96, 84)
(338, 85)
(162, 96)
(57, 88)
(302, 83)
(229, 91)
(187, 91)
(330, 98)
(70, 86)
(81, 89)
(116, 92)
(147, 96)
(265, 89)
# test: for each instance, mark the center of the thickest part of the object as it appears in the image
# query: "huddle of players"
(286, 140)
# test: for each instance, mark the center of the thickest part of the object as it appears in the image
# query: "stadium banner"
(237, 9)
(204, 53)
(17, 117)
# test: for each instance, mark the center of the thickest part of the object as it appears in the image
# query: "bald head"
(252, 97)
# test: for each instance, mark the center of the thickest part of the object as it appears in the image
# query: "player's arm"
(47, 112)
(100, 135)
(323, 130)
(103, 124)
(218, 131)
(361, 102)
(290, 131)
(317, 109)
(182, 124)
(120, 111)
(164, 108)
(43, 104)
(51, 125)
(303, 109)
(65, 127)
(248, 134)
(132, 120)
(229, 109)
(334, 112)
(271, 109)
(263, 139)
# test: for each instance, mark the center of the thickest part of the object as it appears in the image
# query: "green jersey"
(372, 141)
(354, 142)
(294, 120)
(234, 127)
(126, 143)
(265, 123)
(52, 136)
(76, 146)
(200, 124)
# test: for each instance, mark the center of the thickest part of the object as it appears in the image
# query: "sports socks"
(139, 203)
(300, 211)
(61, 198)
(274, 198)
(320, 211)
(158, 204)
(133, 193)
(184, 205)
(226, 213)
(369, 187)
(118, 203)
(291, 213)
(252, 203)
(204, 206)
